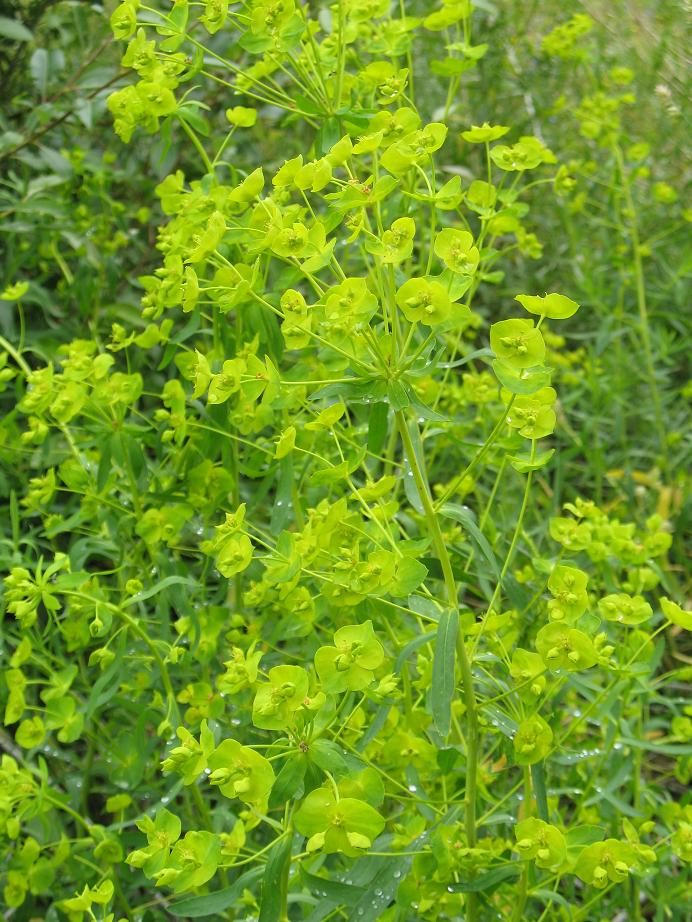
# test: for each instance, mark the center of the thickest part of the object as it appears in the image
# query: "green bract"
(351, 662)
(190, 758)
(517, 343)
(532, 414)
(566, 648)
(241, 772)
(605, 862)
(345, 825)
(676, 614)
(539, 840)
(456, 250)
(279, 699)
(484, 133)
(555, 307)
(625, 608)
(528, 671)
(532, 741)
(568, 587)
(424, 301)
(192, 862)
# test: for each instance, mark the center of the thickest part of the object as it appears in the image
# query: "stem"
(198, 146)
(478, 457)
(538, 776)
(633, 227)
(510, 553)
(8, 347)
(520, 905)
(464, 663)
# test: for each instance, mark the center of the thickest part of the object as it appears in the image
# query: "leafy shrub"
(67, 222)
(295, 629)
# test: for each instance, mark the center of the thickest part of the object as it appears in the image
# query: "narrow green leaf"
(487, 882)
(528, 381)
(282, 511)
(275, 882)
(336, 891)
(108, 683)
(158, 587)
(288, 780)
(377, 426)
(196, 907)
(329, 757)
(397, 395)
(524, 463)
(465, 517)
(666, 749)
(14, 30)
(104, 467)
(538, 777)
(443, 677)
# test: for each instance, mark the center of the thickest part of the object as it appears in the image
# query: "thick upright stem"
(462, 657)
(633, 228)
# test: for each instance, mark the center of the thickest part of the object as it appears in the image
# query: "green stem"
(8, 347)
(522, 896)
(510, 553)
(478, 457)
(464, 663)
(538, 776)
(633, 227)
(198, 146)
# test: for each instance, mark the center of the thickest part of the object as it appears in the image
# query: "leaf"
(666, 749)
(382, 887)
(329, 757)
(39, 66)
(549, 896)
(476, 354)
(523, 463)
(443, 675)
(397, 395)
(336, 891)
(196, 907)
(282, 510)
(538, 777)
(580, 836)
(102, 690)
(465, 517)
(425, 412)
(275, 882)
(193, 118)
(528, 381)
(327, 136)
(377, 426)
(380, 891)
(487, 882)
(14, 30)
(357, 390)
(158, 587)
(288, 780)
(104, 466)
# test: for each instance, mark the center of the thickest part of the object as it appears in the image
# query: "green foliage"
(303, 617)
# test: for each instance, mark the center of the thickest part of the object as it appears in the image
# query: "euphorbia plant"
(377, 692)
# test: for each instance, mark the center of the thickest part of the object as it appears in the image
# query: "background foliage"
(132, 609)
